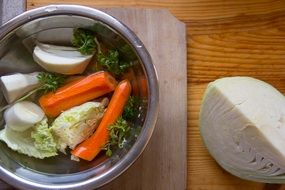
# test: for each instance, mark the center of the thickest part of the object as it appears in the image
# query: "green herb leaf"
(109, 152)
(131, 109)
(111, 62)
(50, 81)
(84, 41)
(121, 129)
(118, 133)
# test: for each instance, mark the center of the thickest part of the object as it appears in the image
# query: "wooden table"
(225, 38)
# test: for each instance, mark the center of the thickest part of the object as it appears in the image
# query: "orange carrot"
(77, 92)
(89, 148)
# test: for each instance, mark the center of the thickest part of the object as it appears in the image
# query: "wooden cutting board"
(163, 165)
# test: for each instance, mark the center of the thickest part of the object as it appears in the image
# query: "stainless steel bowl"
(54, 24)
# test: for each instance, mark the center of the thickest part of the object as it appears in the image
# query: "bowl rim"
(153, 93)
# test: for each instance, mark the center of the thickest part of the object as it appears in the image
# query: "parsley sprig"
(111, 62)
(87, 43)
(49, 82)
(118, 133)
(131, 109)
(120, 130)
(84, 41)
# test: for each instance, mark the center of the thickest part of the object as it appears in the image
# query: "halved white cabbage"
(242, 122)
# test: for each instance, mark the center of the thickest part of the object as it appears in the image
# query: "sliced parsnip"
(60, 59)
(16, 85)
(23, 115)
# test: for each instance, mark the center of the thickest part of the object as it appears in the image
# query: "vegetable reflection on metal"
(10, 9)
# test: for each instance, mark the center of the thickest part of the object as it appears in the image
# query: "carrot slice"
(77, 92)
(89, 148)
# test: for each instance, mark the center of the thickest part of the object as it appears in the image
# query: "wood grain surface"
(225, 38)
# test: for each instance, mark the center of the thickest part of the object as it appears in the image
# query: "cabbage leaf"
(43, 139)
(36, 141)
(76, 124)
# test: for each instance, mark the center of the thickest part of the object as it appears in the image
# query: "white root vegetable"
(60, 59)
(16, 85)
(242, 122)
(23, 115)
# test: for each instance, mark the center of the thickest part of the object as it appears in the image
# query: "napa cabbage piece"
(43, 139)
(36, 141)
(242, 122)
(76, 124)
